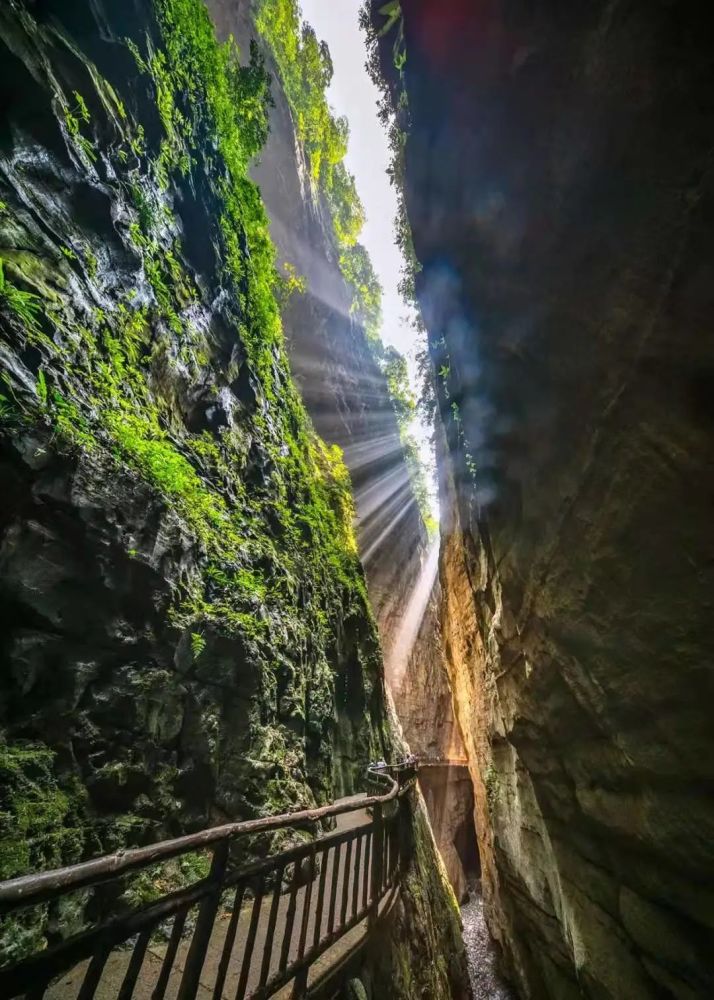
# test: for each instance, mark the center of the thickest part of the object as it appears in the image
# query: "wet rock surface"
(186, 635)
(567, 274)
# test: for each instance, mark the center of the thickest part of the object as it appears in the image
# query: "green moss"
(158, 880)
(305, 70)
(41, 827)
(24, 306)
(262, 506)
(37, 818)
(276, 558)
(492, 782)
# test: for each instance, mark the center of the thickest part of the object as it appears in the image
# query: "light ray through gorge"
(397, 656)
(352, 93)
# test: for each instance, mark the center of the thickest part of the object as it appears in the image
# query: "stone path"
(486, 983)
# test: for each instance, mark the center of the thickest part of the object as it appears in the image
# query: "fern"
(24, 305)
(42, 387)
(8, 413)
(392, 11)
(198, 644)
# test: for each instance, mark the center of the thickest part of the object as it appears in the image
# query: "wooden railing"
(237, 933)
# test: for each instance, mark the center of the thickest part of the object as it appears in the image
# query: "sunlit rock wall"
(347, 397)
(560, 194)
(342, 385)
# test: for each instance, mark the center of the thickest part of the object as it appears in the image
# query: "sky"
(354, 95)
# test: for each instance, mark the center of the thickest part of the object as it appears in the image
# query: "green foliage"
(40, 828)
(289, 283)
(392, 11)
(394, 367)
(394, 114)
(306, 71)
(210, 78)
(25, 306)
(396, 372)
(33, 812)
(261, 504)
(198, 644)
(91, 263)
(159, 880)
(7, 411)
(42, 388)
(367, 301)
(305, 68)
(74, 118)
(81, 110)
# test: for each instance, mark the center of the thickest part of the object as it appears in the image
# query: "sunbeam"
(401, 648)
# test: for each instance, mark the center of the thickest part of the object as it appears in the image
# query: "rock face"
(342, 385)
(186, 633)
(347, 397)
(559, 189)
(416, 671)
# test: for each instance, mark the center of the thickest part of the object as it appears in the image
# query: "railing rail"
(271, 937)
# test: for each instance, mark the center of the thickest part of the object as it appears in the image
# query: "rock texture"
(340, 380)
(348, 400)
(417, 675)
(559, 190)
(186, 633)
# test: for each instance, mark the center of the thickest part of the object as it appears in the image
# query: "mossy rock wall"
(185, 632)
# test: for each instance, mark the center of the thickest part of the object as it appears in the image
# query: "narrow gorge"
(225, 599)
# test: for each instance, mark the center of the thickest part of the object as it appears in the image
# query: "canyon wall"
(186, 632)
(347, 397)
(344, 389)
(559, 188)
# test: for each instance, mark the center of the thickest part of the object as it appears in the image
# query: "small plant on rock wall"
(42, 387)
(74, 118)
(289, 283)
(198, 644)
(24, 305)
(8, 413)
(493, 784)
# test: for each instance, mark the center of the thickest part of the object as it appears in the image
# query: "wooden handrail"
(378, 864)
(27, 890)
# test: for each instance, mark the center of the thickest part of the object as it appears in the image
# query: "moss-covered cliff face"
(558, 181)
(185, 629)
(347, 396)
(186, 635)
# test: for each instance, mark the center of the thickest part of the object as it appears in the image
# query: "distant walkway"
(443, 762)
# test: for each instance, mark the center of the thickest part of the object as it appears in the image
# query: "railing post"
(300, 985)
(404, 833)
(204, 925)
(377, 862)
